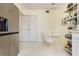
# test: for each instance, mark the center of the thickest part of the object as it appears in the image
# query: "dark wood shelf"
(8, 33)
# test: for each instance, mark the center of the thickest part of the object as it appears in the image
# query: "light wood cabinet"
(9, 45)
(11, 12)
(13, 18)
(4, 45)
(14, 44)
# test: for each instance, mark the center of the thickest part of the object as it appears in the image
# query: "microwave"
(3, 24)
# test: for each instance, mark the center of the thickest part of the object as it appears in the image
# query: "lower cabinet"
(75, 44)
(9, 45)
(14, 45)
(4, 46)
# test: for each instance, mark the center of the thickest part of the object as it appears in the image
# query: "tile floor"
(41, 49)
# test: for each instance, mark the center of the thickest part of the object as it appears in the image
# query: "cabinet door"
(75, 44)
(4, 45)
(75, 48)
(13, 18)
(14, 45)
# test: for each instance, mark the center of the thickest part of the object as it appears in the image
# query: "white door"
(32, 28)
(24, 28)
(28, 28)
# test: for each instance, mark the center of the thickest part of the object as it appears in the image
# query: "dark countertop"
(7, 33)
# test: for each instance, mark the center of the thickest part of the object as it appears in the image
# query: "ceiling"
(39, 5)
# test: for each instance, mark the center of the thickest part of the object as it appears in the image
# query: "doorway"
(28, 28)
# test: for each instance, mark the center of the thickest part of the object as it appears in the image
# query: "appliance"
(3, 24)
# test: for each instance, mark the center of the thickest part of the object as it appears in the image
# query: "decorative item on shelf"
(71, 7)
(74, 21)
(66, 19)
(75, 14)
(68, 47)
(68, 36)
(70, 17)
(75, 7)
(70, 28)
(65, 22)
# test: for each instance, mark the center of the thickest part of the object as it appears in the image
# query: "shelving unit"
(72, 19)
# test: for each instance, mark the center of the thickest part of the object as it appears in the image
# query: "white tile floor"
(41, 49)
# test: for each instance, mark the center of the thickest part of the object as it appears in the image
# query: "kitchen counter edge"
(8, 33)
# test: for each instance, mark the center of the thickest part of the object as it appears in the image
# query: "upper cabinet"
(14, 18)
(11, 12)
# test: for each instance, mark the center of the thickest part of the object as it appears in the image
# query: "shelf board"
(68, 50)
(69, 39)
(70, 8)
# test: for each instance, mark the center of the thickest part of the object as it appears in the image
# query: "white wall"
(50, 23)
(46, 22)
(62, 29)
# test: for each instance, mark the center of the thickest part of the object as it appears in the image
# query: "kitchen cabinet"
(13, 18)
(11, 12)
(9, 41)
(75, 44)
(14, 44)
(4, 45)
(9, 44)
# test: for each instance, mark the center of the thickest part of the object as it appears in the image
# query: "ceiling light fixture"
(52, 3)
